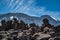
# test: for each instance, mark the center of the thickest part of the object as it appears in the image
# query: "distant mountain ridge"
(30, 19)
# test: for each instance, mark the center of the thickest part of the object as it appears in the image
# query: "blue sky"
(31, 7)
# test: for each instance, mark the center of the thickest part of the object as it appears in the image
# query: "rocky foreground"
(28, 35)
(21, 31)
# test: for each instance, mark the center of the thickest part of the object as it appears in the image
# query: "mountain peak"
(47, 16)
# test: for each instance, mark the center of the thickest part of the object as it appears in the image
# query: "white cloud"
(16, 3)
(42, 11)
(29, 7)
(24, 5)
(20, 4)
(11, 2)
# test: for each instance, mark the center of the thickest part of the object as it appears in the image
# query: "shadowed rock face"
(29, 19)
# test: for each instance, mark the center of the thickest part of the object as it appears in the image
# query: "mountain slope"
(29, 19)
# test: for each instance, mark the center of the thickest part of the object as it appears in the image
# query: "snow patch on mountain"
(54, 18)
(11, 17)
